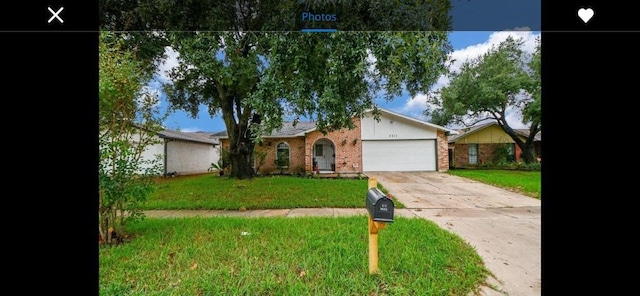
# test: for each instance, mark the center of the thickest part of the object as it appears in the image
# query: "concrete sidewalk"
(298, 212)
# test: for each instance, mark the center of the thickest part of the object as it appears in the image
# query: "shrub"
(299, 170)
(534, 166)
(282, 164)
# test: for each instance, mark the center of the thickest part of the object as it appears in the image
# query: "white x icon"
(55, 14)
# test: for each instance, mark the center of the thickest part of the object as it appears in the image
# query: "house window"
(512, 152)
(473, 153)
(319, 150)
(282, 153)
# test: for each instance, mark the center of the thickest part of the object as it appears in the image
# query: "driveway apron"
(504, 227)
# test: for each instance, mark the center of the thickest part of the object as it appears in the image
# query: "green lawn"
(212, 192)
(287, 256)
(525, 182)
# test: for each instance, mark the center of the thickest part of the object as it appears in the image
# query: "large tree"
(247, 61)
(255, 79)
(504, 78)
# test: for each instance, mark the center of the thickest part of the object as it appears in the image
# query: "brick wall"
(296, 154)
(485, 154)
(301, 150)
(347, 145)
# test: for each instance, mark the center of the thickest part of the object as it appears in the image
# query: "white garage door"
(399, 155)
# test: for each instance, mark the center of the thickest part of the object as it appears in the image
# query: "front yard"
(277, 255)
(212, 192)
(525, 182)
(287, 256)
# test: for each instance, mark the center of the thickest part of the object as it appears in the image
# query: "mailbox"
(380, 207)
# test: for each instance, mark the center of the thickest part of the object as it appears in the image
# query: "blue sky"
(466, 44)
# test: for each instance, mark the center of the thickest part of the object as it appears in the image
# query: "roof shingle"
(200, 137)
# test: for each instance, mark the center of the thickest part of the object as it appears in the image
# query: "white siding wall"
(189, 157)
(153, 151)
(390, 128)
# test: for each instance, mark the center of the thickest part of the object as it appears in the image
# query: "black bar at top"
(465, 15)
(35, 16)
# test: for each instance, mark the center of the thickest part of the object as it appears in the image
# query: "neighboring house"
(185, 153)
(475, 146)
(395, 143)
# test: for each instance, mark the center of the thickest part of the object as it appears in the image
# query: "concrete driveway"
(504, 227)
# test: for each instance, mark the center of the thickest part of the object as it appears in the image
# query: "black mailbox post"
(380, 207)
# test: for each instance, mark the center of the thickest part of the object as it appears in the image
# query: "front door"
(324, 154)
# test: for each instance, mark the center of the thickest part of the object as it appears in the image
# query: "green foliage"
(128, 123)
(282, 163)
(224, 161)
(503, 78)
(502, 154)
(533, 166)
(484, 87)
(255, 68)
(532, 111)
(299, 170)
(257, 78)
(259, 157)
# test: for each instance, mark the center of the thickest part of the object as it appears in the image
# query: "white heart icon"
(585, 14)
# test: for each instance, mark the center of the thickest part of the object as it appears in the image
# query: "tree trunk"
(528, 153)
(236, 118)
(240, 167)
(241, 160)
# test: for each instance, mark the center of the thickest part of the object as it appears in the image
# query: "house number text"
(393, 135)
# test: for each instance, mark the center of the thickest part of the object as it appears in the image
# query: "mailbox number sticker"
(383, 208)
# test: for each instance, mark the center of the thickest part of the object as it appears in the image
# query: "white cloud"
(371, 60)
(190, 130)
(514, 118)
(169, 63)
(414, 107)
(418, 103)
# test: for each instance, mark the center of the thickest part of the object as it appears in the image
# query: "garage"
(399, 155)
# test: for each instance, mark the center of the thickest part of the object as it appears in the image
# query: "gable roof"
(199, 137)
(305, 127)
(525, 132)
(469, 130)
(429, 124)
(219, 134)
(288, 130)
